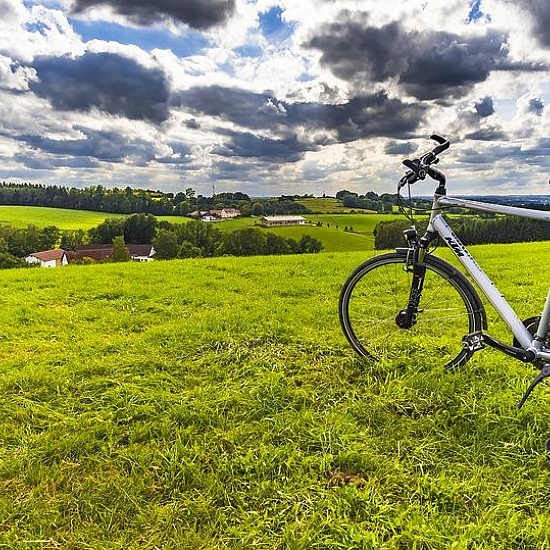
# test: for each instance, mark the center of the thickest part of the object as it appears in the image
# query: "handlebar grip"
(444, 144)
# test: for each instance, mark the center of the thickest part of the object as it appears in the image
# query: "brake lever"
(417, 167)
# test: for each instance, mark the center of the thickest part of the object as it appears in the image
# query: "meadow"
(21, 216)
(214, 403)
(331, 233)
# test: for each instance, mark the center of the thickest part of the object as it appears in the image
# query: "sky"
(272, 97)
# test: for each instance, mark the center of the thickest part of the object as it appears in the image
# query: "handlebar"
(421, 167)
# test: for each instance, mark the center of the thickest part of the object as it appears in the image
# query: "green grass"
(331, 233)
(21, 216)
(210, 404)
(323, 205)
(333, 239)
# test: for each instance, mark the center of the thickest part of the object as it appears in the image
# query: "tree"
(70, 239)
(341, 194)
(276, 244)
(139, 228)
(244, 242)
(189, 250)
(309, 245)
(257, 209)
(165, 244)
(120, 251)
(105, 232)
(50, 237)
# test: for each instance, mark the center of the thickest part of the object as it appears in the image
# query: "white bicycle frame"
(438, 224)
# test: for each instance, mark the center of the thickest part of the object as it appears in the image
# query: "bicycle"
(397, 299)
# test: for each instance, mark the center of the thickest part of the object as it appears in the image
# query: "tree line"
(180, 240)
(128, 200)
(470, 230)
(369, 201)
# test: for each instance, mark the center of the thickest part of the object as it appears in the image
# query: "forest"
(145, 201)
(470, 230)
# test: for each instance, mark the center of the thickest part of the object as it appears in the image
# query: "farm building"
(48, 258)
(216, 214)
(278, 221)
(96, 252)
(101, 252)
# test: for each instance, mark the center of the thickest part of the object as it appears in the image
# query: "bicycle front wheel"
(379, 289)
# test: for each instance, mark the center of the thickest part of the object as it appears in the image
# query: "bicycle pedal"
(473, 342)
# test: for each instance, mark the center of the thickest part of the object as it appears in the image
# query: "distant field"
(331, 233)
(21, 216)
(323, 205)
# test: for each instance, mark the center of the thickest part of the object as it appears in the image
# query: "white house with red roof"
(48, 258)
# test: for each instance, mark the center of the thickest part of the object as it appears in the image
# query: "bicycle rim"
(379, 289)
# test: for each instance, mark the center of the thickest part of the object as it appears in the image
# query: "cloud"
(539, 12)
(400, 148)
(536, 106)
(109, 82)
(361, 117)
(198, 14)
(487, 134)
(427, 65)
(485, 107)
(105, 146)
(246, 144)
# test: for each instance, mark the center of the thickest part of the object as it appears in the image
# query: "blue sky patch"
(191, 43)
(272, 25)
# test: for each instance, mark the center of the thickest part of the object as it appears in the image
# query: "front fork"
(406, 318)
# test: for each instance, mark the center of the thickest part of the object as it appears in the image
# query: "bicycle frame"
(437, 224)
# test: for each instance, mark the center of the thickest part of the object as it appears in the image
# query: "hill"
(21, 216)
(215, 404)
(331, 231)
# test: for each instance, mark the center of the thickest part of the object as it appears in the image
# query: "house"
(48, 258)
(102, 252)
(141, 252)
(197, 214)
(279, 221)
(215, 214)
(96, 252)
(228, 213)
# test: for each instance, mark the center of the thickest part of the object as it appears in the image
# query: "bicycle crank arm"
(478, 340)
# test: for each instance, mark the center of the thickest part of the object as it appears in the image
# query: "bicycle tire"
(378, 290)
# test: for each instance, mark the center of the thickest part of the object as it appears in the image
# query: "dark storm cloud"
(99, 145)
(38, 162)
(361, 117)
(400, 148)
(429, 65)
(246, 144)
(199, 14)
(106, 81)
(487, 134)
(536, 106)
(485, 107)
(539, 12)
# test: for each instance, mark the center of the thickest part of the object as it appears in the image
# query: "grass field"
(210, 404)
(334, 239)
(21, 216)
(323, 205)
(331, 233)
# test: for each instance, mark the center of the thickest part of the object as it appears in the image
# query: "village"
(58, 257)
